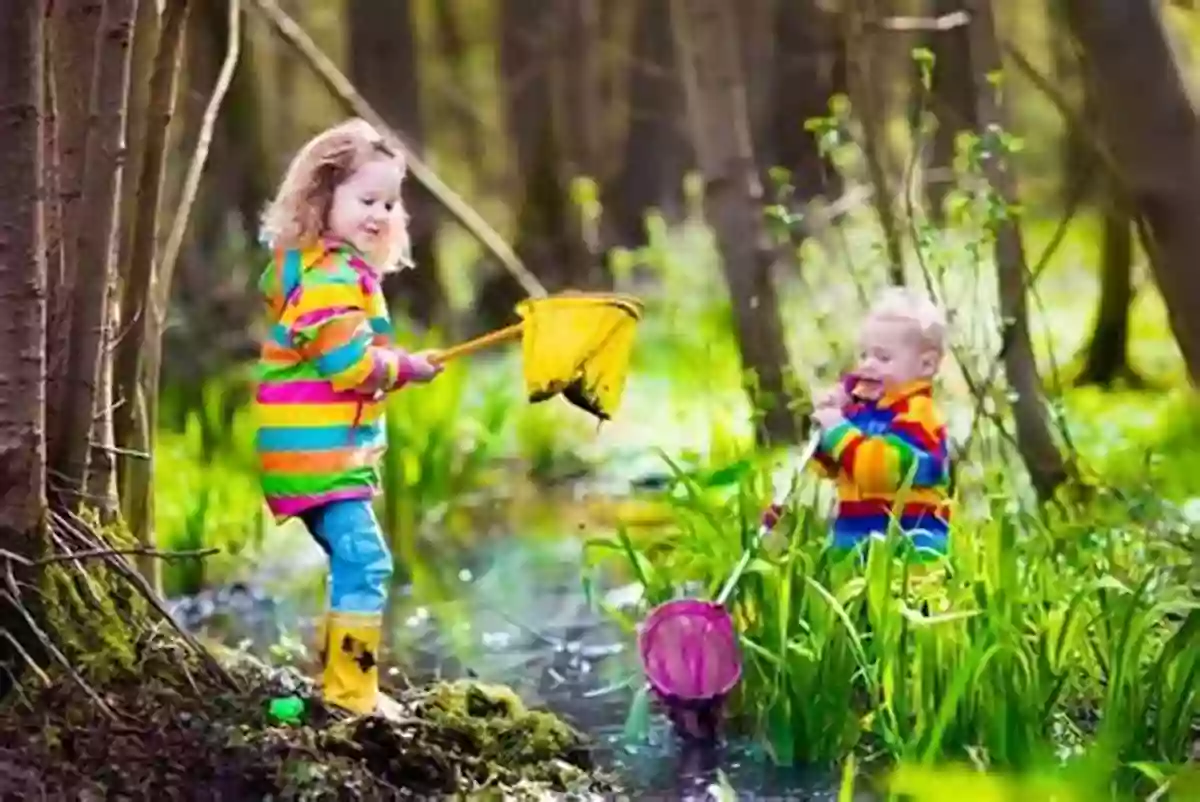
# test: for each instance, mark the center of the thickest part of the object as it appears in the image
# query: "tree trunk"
(384, 66)
(452, 51)
(952, 101)
(867, 94)
(1107, 358)
(1151, 128)
(806, 47)
(137, 293)
(104, 156)
(733, 199)
(548, 237)
(1038, 450)
(22, 278)
(656, 153)
(74, 29)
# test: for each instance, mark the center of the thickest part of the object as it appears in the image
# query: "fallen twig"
(946, 22)
(29, 661)
(94, 553)
(344, 90)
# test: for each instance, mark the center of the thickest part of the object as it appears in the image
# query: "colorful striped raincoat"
(887, 456)
(325, 367)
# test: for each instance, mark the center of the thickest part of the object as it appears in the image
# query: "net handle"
(782, 492)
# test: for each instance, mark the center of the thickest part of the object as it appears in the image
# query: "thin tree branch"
(161, 293)
(337, 83)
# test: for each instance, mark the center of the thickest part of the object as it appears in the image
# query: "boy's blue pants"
(360, 564)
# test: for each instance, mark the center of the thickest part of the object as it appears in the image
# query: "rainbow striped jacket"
(324, 369)
(890, 454)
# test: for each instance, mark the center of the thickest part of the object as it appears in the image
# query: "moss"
(92, 614)
(448, 740)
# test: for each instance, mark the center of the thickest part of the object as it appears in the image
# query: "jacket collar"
(896, 395)
(903, 392)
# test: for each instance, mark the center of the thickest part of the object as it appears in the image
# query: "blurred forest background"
(753, 173)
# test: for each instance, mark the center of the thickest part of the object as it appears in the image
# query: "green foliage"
(1037, 636)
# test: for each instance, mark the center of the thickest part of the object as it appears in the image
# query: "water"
(516, 613)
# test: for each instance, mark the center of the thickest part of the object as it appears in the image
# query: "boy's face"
(366, 209)
(892, 354)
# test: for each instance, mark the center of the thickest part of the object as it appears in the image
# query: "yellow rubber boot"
(351, 676)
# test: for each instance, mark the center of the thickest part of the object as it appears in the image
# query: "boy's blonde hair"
(902, 303)
(297, 216)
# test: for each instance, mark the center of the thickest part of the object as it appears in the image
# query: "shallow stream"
(520, 616)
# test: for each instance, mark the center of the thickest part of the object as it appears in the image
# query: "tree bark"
(1107, 358)
(733, 199)
(138, 289)
(952, 101)
(866, 89)
(104, 157)
(657, 152)
(74, 32)
(385, 68)
(1151, 128)
(806, 48)
(1034, 439)
(548, 236)
(23, 282)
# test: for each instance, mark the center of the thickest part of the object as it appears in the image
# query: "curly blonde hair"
(298, 214)
(902, 303)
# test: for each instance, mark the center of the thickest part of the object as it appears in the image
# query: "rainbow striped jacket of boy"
(885, 452)
(325, 367)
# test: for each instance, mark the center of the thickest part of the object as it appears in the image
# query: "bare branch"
(340, 86)
(161, 292)
(94, 553)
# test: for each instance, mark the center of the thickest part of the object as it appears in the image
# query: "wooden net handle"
(489, 340)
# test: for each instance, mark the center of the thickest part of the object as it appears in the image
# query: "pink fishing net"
(690, 654)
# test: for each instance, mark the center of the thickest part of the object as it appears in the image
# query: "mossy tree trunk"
(656, 151)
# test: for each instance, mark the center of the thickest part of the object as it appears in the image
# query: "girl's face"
(366, 209)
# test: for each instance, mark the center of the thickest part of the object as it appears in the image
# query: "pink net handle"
(689, 650)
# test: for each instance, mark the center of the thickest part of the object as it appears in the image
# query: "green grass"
(1043, 634)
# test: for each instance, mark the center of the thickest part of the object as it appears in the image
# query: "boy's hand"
(828, 416)
(420, 368)
(835, 396)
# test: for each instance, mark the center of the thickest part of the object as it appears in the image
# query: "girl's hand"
(420, 368)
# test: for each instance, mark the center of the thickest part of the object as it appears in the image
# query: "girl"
(326, 366)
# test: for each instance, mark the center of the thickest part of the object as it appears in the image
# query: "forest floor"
(176, 729)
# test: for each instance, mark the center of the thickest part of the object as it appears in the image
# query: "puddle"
(515, 612)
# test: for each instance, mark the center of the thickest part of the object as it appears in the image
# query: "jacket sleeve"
(329, 324)
(915, 445)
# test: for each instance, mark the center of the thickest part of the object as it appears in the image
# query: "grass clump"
(1045, 635)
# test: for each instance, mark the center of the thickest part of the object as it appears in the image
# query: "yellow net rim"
(627, 303)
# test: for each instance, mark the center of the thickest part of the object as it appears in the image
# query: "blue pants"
(360, 564)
